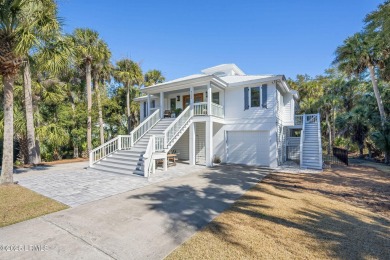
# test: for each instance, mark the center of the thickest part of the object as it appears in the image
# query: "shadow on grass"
(192, 207)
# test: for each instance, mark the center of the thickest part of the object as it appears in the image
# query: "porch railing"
(298, 120)
(200, 109)
(175, 127)
(148, 123)
(217, 110)
(159, 143)
(311, 118)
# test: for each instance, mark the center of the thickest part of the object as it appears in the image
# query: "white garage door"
(248, 147)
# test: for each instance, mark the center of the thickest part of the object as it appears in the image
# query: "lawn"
(342, 213)
(18, 204)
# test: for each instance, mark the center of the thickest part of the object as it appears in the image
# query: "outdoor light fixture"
(178, 98)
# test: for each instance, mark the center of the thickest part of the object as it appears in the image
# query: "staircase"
(131, 161)
(311, 149)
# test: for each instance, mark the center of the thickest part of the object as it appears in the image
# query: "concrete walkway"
(74, 185)
(146, 223)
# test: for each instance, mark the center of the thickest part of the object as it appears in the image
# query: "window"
(255, 97)
(215, 98)
(145, 108)
(173, 104)
(153, 105)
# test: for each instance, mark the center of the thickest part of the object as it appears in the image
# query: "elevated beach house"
(218, 115)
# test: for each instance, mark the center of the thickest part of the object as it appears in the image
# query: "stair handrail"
(302, 140)
(145, 126)
(319, 141)
(176, 126)
(148, 156)
(104, 150)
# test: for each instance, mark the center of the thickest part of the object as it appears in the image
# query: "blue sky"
(181, 37)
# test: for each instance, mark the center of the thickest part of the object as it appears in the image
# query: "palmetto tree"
(101, 72)
(23, 24)
(357, 55)
(153, 77)
(129, 74)
(87, 46)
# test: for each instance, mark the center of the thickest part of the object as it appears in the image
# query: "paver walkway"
(146, 223)
(73, 185)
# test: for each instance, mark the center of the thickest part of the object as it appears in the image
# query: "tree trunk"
(377, 95)
(128, 108)
(8, 142)
(89, 105)
(329, 132)
(28, 103)
(99, 101)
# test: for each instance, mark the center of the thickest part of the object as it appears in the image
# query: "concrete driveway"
(147, 223)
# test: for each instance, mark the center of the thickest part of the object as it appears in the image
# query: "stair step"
(122, 164)
(125, 159)
(114, 170)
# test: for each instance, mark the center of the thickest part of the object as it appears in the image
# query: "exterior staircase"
(311, 149)
(131, 161)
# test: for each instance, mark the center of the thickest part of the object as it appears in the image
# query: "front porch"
(204, 99)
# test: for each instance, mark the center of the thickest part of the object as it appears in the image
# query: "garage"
(248, 147)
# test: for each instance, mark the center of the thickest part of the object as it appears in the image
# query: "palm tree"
(100, 73)
(129, 74)
(153, 77)
(22, 25)
(357, 55)
(87, 48)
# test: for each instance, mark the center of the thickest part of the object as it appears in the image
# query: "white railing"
(217, 110)
(302, 140)
(311, 118)
(298, 120)
(104, 150)
(159, 143)
(148, 156)
(148, 123)
(175, 127)
(200, 109)
(320, 141)
(125, 142)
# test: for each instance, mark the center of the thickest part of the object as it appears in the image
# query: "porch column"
(148, 106)
(209, 142)
(161, 104)
(209, 98)
(192, 100)
(192, 144)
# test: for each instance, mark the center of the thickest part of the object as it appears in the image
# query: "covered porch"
(204, 96)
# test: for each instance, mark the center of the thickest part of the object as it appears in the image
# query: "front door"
(197, 98)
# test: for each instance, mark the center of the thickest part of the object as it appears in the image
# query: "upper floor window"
(255, 97)
(153, 105)
(215, 98)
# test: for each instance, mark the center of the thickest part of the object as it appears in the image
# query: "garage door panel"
(248, 147)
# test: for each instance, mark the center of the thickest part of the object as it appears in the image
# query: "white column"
(192, 100)
(192, 143)
(209, 142)
(148, 106)
(161, 104)
(209, 98)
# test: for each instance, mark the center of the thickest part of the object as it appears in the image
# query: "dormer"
(224, 70)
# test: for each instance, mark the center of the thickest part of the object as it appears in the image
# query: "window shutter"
(246, 98)
(264, 95)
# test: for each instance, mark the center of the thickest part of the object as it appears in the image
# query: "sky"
(182, 37)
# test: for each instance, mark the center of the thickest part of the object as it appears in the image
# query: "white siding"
(200, 142)
(288, 109)
(182, 146)
(234, 103)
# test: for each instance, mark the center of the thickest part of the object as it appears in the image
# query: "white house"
(221, 113)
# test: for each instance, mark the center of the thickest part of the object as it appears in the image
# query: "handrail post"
(302, 140)
(119, 142)
(91, 159)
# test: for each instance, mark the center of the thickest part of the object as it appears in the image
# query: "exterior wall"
(234, 103)
(200, 143)
(182, 146)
